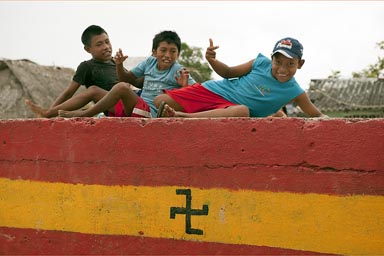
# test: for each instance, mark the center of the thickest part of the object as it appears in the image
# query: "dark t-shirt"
(93, 72)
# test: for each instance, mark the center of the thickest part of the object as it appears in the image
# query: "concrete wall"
(192, 186)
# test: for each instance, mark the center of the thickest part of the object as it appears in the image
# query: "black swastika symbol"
(188, 211)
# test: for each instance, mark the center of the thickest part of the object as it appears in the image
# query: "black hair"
(90, 32)
(170, 37)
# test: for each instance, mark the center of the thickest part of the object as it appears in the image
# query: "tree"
(374, 69)
(192, 59)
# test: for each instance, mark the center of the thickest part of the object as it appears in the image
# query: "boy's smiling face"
(284, 68)
(166, 55)
(100, 48)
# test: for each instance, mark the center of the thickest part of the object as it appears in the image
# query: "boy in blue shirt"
(98, 75)
(160, 73)
(257, 88)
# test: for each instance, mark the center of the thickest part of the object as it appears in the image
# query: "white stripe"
(141, 112)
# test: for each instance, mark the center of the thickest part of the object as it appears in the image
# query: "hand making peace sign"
(210, 54)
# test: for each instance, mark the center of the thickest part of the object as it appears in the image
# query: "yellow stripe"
(313, 222)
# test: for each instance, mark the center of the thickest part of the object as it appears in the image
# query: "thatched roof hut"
(21, 79)
(348, 98)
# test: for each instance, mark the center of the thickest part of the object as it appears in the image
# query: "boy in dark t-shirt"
(98, 72)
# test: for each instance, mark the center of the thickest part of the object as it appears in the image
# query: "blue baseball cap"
(289, 47)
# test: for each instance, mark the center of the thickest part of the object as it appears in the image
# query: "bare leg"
(233, 111)
(174, 109)
(121, 91)
(93, 93)
(169, 100)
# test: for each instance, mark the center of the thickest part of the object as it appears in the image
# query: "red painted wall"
(334, 156)
(345, 148)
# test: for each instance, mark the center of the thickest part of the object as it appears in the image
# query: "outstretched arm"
(222, 69)
(307, 106)
(119, 60)
(122, 74)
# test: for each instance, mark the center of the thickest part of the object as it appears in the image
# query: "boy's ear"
(301, 63)
(86, 47)
(153, 52)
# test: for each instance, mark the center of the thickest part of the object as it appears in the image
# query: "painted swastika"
(188, 211)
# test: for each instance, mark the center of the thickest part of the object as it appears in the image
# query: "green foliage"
(192, 59)
(374, 69)
(335, 74)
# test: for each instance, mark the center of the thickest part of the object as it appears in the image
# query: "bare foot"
(168, 111)
(75, 113)
(39, 111)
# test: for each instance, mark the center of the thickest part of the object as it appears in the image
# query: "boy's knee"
(122, 86)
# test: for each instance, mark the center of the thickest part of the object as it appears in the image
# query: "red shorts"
(196, 98)
(141, 109)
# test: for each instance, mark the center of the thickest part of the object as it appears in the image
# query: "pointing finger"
(210, 42)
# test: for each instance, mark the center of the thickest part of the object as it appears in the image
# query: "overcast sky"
(337, 35)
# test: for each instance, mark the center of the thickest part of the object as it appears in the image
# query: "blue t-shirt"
(258, 90)
(155, 81)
